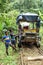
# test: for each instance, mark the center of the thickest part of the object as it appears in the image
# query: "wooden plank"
(21, 59)
(34, 58)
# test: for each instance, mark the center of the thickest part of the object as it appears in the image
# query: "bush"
(8, 20)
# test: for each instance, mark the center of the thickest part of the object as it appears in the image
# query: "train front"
(28, 26)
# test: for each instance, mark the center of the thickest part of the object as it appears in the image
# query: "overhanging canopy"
(29, 17)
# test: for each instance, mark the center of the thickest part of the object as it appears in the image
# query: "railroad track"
(31, 56)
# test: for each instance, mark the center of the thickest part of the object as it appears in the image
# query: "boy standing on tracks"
(6, 38)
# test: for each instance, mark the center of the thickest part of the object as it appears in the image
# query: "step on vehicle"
(28, 29)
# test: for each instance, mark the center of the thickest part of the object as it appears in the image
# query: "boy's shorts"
(7, 44)
(13, 42)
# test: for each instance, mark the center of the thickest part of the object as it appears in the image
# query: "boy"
(13, 41)
(6, 38)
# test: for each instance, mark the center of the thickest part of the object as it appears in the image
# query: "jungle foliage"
(9, 10)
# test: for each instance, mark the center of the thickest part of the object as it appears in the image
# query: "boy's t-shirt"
(6, 38)
(12, 36)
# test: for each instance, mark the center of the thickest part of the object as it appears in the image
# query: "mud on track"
(30, 52)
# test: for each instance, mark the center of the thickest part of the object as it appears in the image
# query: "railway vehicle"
(28, 29)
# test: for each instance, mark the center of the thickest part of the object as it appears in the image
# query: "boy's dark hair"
(10, 30)
(6, 31)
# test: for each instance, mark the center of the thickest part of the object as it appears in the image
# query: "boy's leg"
(6, 48)
(13, 47)
(14, 43)
(7, 51)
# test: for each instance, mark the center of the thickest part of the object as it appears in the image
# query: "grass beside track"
(41, 34)
(12, 59)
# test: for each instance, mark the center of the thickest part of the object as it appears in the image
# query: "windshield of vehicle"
(28, 25)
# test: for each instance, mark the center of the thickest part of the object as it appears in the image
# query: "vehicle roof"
(29, 14)
(29, 17)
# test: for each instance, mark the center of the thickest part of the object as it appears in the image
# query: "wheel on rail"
(19, 44)
(37, 45)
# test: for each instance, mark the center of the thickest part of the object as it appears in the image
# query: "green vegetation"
(12, 59)
(41, 34)
(8, 20)
(9, 10)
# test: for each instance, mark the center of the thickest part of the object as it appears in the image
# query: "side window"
(31, 25)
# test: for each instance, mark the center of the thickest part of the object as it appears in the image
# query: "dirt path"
(31, 52)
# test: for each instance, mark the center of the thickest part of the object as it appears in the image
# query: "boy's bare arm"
(2, 40)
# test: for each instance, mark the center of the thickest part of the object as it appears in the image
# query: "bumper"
(29, 39)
